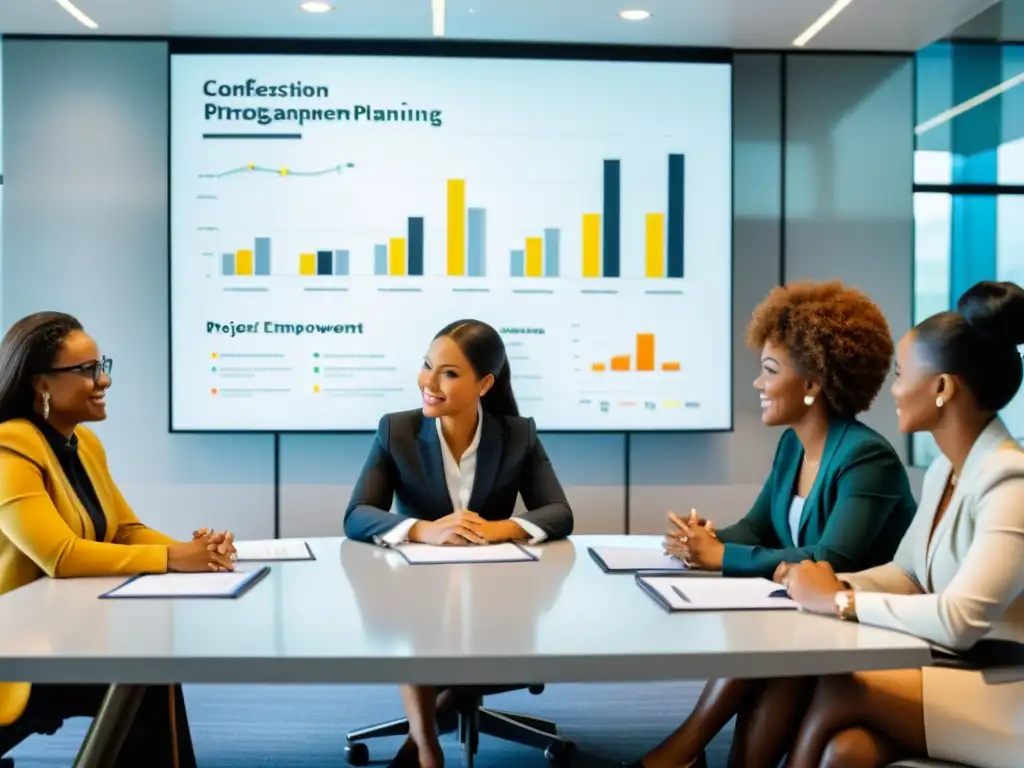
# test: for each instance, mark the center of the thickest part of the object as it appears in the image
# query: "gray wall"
(85, 230)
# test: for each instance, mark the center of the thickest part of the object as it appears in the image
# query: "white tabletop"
(360, 614)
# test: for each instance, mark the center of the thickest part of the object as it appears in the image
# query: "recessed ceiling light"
(71, 8)
(316, 6)
(636, 15)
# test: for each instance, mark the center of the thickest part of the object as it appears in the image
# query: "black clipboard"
(596, 557)
(648, 588)
(309, 551)
(530, 557)
(248, 583)
(985, 655)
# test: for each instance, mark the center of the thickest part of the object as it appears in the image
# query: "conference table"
(358, 613)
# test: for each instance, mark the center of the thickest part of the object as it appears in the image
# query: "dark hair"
(483, 347)
(978, 342)
(835, 335)
(30, 346)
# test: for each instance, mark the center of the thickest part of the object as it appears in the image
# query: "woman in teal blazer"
(858, 508)
(837, 491)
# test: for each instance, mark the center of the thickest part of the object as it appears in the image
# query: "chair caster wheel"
(357, 753)
(6, 762)
(536, 690)
(559, 754)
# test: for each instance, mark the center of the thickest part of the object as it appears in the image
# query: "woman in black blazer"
(456, 467)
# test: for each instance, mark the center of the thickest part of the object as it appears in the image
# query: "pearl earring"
(939, 402)
(808, 400)
(46, 406)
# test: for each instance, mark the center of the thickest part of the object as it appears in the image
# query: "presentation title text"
(233, 329)
(267, 115)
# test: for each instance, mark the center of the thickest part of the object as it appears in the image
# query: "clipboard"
(679, 570)
(250, 580)
(985, 655)
(449, 555)
(714, 594)
(309, 556)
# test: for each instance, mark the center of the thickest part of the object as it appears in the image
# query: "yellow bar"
(243, 262)
(456, 226)
(591, 244)
(396, 256)
(534, 257)
(655, 245)
(307, 263)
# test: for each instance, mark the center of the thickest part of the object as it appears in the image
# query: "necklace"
(810, 463)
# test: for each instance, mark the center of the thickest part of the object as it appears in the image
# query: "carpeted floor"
(302, 726)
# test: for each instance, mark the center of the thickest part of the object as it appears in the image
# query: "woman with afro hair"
(837, 492)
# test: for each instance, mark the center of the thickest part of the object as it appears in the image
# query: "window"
(968, 182)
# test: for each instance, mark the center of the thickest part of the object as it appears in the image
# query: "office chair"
(12, 735)
(470, 722)
(924, 762)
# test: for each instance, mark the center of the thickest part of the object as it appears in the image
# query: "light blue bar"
(551, 241)
(262, 253)
(227, 264)
(477, 238)
(380, 259)
(341, 262)
(518, 263)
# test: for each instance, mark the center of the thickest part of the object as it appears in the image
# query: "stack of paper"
(428, 554)
(634, 559)
(272, 550)
(676, 593)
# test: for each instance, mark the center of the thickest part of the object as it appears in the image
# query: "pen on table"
(679, 592)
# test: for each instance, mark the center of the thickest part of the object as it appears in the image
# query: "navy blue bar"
(324, 262)
(252, 135)
(415, 245)
(676, 211)
(612, 227)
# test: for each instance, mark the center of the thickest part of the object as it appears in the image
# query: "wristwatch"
(846, 608)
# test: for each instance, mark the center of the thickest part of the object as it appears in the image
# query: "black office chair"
(472, 721)
(12, 735)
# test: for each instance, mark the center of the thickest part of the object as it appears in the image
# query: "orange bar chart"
(645, 359)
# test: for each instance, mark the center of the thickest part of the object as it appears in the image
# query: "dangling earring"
(46, 406)
(808, 400)
(939, 402)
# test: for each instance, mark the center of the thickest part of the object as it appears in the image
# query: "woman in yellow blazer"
(62, 515)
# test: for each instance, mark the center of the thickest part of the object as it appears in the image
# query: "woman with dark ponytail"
(956, 580)
(454, 469)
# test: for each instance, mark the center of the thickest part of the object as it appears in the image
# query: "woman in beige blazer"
(958, 576)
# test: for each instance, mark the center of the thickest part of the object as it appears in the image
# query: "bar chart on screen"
(320, 236)
(459, 241)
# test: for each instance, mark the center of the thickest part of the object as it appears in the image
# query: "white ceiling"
(903, 25)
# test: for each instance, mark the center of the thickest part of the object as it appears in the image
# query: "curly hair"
(836, 336)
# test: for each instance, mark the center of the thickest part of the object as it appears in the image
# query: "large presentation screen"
(329, 214)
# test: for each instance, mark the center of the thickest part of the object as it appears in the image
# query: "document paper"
(633, 559)
(428, 554)
(168, 585)
(725, 594)
(272, 550)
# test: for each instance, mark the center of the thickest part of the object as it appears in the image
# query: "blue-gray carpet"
(304, 727)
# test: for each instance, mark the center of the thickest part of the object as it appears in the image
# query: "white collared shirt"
(796, 513)
(459, 476)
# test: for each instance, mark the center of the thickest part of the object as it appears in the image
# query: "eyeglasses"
(94, 369)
